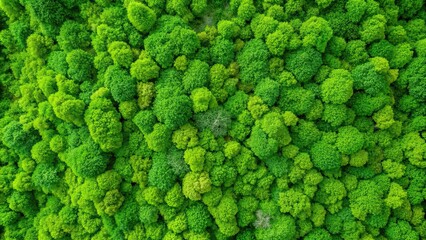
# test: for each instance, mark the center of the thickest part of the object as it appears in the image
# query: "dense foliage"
(213, 119)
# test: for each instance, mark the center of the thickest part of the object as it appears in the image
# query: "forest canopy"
(212, 119)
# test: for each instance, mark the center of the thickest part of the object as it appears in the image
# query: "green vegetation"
(212, 119)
